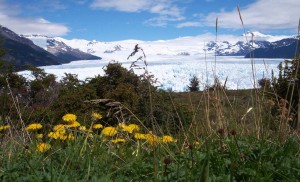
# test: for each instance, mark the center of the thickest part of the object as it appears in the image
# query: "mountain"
(285, 48)
(183, 46)
(60, 49)
(23, 51)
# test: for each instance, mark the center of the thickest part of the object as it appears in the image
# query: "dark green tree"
(194, 84)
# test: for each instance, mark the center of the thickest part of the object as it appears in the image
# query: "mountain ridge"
(182, 46)
(22, 51)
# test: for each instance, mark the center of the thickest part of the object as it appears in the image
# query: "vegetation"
(119, 127)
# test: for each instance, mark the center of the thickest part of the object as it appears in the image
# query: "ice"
(174, 72)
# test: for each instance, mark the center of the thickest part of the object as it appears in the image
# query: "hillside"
(285, 48)
(22, 51)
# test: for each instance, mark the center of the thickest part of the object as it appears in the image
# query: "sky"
(113, 20)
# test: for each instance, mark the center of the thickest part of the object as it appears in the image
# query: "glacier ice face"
(174, 72)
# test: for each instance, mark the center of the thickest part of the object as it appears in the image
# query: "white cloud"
(121, 5)
(12, 20)
(189, 24)
(165, 9)
(261, 15)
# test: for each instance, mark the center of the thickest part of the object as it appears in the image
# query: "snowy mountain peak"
(257, 36)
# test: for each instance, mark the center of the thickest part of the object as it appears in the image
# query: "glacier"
(173, 73)
(174, 62)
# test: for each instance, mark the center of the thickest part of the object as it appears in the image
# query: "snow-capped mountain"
(225, 45)
(22, 51)
(285, 48)
(60, 49)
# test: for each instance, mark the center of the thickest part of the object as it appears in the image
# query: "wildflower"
(39, 136)
(139, 136)
(70, 136)
(167, 161)
(83, 128)
(33, 127)
(130, 128)
(4, 127)
(152, 139)
(109, 131)
(97, 126)
(196, 143)
(118, 140)
(59, 127)
(43, 147)
(167, 139)
(54, 135)
(96, 116)
(69, 117)
(73, 124)
(61, 136)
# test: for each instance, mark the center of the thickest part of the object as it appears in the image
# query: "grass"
(219, 135)
(225, 154)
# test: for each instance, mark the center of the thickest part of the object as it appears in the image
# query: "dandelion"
(109, 131)
(34, 127)
(96, 116)
(4, 127)
(118, 140)
(152, 139)
(69, 117)
(59, 127)
(73, 124)
(61, 136)
(130, 128)
(54, 135)
(83, 128)
(139, 136)
(97, 126)
(71, 136)
(196, 143)
(43, 147)
(167, 139)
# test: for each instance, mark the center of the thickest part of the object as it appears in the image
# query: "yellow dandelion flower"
(97, 126)
(59, 127)
(43, 147)
(73, 124)
(4, 127)
(69, 117)
(63, 137)
(96, 116)
(109, 131)
(152, 139)
(71, 136)
(167, 139)
(139, 136)
(196, 143)
(54, 135)
(83, 128)
(118, 140)
(129, 128)
(39, 136)
(122, 125)
(34, 127)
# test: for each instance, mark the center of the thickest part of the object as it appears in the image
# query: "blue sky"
(111, 20)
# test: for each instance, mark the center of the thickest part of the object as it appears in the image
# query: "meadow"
(120, 127)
